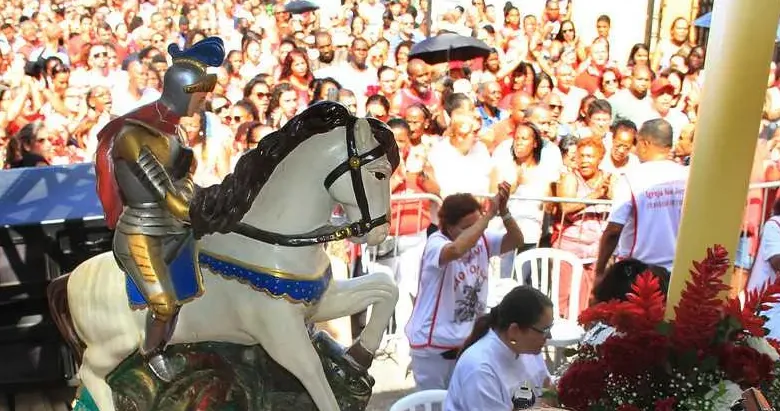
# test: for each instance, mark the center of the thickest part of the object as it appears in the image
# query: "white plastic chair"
(545, 276)
(425, 399)
(498, 289)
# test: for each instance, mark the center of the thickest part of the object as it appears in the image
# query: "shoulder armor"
(135, 135)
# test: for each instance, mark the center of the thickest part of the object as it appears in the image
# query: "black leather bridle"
(355, 161)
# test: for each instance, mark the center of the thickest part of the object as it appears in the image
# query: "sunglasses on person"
(231, 119)
(261, 94)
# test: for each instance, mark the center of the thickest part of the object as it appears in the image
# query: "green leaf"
(688, 360)
(550, 394)
(709, 364)
(664, 328)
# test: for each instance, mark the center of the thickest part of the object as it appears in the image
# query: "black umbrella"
(449, 47)
(300, 6)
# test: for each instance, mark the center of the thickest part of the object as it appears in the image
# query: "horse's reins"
(325, 234)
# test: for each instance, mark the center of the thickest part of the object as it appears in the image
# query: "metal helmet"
(187, 74)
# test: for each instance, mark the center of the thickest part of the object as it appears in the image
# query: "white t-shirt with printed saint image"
(450, 297)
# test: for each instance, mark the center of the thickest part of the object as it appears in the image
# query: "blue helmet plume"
(209, 51)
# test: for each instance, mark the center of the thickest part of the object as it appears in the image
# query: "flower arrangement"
(701, 360)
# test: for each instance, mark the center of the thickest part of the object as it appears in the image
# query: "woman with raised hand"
(453, 282)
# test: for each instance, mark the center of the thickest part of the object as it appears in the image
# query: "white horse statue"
(252, 221)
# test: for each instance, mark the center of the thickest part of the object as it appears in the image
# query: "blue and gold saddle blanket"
(187, 279)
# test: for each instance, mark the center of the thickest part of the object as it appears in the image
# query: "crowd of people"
(546, 113)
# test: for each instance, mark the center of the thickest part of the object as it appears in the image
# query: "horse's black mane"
(220, 207)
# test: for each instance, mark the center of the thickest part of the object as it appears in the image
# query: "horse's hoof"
(162, 368)
(360, 355)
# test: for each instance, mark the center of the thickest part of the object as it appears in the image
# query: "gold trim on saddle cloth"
(260, 269)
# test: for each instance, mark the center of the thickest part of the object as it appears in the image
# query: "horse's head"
(361, 183)
(354, 156)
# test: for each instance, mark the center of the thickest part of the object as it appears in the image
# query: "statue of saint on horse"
(246, 256)
(144, 173)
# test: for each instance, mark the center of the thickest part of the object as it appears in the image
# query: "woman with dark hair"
(543, 85)
(616, 285)
(452, 290)
(582, 115)
(296, 71)
(598, 118)
(378, 107)
(527, 179)
(30, 147)
(638, 56)
(501, 367)
(320, 89)
(619, 278)
(258, 92)
(282, 106)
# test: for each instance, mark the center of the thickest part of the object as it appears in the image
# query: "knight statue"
(144, 174)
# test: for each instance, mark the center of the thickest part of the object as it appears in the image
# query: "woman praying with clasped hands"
(453, 282)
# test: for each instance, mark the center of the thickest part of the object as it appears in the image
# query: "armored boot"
(158, 333)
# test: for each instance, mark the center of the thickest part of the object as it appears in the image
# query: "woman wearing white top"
(501, 368)
(453, 288)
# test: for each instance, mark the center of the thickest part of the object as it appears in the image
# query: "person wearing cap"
(662, 93)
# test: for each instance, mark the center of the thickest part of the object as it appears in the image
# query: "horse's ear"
(364, 135)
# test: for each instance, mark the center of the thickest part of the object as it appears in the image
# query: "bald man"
(420, 89)
(632, 103)
(505, 129)
(328, 56)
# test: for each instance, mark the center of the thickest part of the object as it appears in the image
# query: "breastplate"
(143, 214)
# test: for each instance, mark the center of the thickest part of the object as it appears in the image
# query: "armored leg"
(143, 259)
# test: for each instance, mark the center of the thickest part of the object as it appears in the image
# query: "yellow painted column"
(738, 55)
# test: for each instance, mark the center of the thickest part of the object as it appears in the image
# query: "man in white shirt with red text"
(647, 203)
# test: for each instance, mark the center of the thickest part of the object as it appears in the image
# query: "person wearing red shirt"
(419, 90)
(598, 61)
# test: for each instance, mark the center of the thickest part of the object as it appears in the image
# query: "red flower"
(775, 344)
(634, 353)
(746, 316)
(601, 312)
(749, 315)
(642, 311)
(665, 404)
(745, 366)
(645, 352)
(700, 309)
(582, 384)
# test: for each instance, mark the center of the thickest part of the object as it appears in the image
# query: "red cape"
(157, 116)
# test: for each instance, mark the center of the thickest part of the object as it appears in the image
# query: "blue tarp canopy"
(36, 195)
(706, 21)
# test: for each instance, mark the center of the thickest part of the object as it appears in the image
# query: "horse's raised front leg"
(278, 326)
(347, 297)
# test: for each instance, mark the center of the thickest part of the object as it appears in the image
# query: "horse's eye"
(380, 176)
